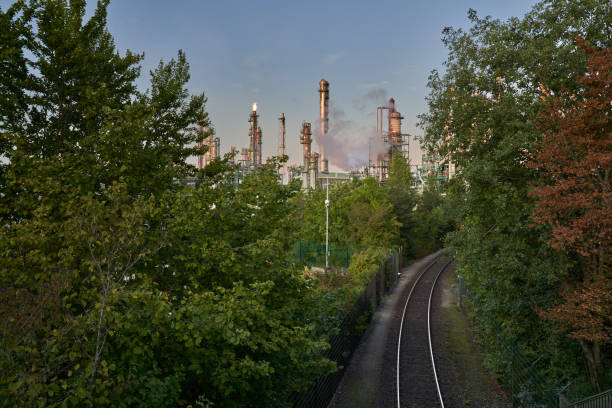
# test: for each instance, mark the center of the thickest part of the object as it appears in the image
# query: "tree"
(482, 116)
(403, 198)
(432, 222)
(69, 100)
(574, 198)
(360, 215)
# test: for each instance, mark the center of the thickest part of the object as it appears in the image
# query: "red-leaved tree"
(574, 198)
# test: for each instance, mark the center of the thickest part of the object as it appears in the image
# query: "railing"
(349, 334)
(603, 400)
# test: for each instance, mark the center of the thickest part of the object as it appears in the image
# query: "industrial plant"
(313, 172)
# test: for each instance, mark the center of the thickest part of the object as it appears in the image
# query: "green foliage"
(360, 215)
(434, 219)
(364, 265)
(404, 199)
(120, 286)
(482, 116)
(71, 100)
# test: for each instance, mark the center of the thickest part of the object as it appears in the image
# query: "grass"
(475, 381)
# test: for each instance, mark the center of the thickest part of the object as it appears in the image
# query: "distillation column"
(282, 147)
(253, 137)
(306, 141)
(396, 139)
(314, 170)
(324, 110)
(258, 155)
(244, 157)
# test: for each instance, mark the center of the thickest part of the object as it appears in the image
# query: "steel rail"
(399, 340)
(433, 363)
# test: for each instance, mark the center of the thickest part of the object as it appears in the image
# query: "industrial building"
(213, 145)
(387, 142)
(313, 171)
(431, 166)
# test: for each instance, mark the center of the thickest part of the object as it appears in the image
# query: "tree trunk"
(592, 356)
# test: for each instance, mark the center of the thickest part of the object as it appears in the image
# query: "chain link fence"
(313, 254)
(348, 335)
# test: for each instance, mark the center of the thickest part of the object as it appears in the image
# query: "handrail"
(599, 399)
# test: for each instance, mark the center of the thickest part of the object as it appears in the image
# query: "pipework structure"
(393, 139)
(253, 143)
(211, 143)
(258, 153)
(324, 117)
(281, 147)
(310, 160)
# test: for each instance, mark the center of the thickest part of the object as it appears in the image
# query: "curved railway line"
(416, 375)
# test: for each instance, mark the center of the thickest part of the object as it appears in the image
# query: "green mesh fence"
(312, 253)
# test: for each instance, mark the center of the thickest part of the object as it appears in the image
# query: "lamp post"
(327, 226)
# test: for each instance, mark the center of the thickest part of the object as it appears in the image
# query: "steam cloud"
(347, 145)
(378, 95)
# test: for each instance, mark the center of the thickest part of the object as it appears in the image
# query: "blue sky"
(275, 52)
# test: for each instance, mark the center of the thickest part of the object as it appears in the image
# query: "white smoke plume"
(347, 145)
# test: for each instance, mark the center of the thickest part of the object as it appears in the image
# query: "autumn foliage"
(574, 198)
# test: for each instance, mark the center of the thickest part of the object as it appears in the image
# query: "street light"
(327, 226)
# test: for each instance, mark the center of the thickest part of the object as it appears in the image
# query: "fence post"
(346, 250)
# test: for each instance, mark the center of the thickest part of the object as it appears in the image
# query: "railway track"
(416, 374)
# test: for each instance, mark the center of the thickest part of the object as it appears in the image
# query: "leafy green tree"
(433, 220)
(121, 286)
(360, 215)
(70, 99)
(482, 115)
(403, 198)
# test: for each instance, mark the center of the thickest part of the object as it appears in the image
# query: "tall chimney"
(324, 108)
(253, 136)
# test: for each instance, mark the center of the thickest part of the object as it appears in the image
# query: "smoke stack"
(324, 110)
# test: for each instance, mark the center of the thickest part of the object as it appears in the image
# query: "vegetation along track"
(416, 377)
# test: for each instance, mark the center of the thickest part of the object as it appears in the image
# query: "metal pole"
(327, 226)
